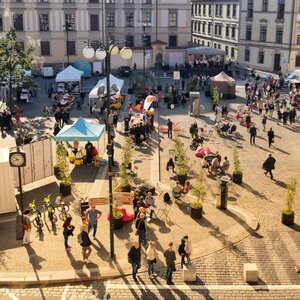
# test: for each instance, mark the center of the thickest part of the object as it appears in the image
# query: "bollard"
(224, 180)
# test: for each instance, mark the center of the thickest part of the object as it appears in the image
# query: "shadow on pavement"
(254, 192)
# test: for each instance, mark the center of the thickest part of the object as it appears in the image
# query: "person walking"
(170, 128)
(67, 231)
(187, 249)
(85, 241)
(253, 132)
(170, 257)
(140, 226)
(269, 165)
(264, 122)
(271, 136)
(26, 227)
(182, 253)
(56, 129)
(134, 257)
(93, 216)
(151, 259)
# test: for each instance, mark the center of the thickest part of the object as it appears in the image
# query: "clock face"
(17, 159)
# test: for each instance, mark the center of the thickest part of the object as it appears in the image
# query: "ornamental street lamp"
(104, 52)
(144, 39)
(68, 27)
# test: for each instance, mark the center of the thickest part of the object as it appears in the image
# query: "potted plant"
(117, 218)
(237, 175)
(64, 171)
(181, 161)
(60, 150)
(125, 183)
(215, 97)
(127, 152)
(199, 191)
(288, 214)
(191, 86)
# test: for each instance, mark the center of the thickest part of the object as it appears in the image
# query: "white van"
(97, 68)
(47, 72)
(293, 75)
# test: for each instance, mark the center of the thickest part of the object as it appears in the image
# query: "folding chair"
(164, 211)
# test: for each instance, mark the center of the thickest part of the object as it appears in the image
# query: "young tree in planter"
(125, 183)
(237, 176)
(13, 61)
(181, 161)
(127, 152)
(64, 170)
(199, 191)
(288, 213)
(215, 97)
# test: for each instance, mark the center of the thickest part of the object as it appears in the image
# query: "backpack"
(79, 238)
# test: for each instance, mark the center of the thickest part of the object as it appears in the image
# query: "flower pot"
(56, 172)
(126, 189)
(287, 219)
(182, 179)
(237, 178)
(65, 190)
(196, 213)
(118, 223)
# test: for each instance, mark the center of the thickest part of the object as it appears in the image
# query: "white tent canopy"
(203, 50)
(70, 74)
(113, 80)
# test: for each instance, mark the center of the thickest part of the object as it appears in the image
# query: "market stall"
(93, 96)
(78, 132)
(68, 76)
(225, 84)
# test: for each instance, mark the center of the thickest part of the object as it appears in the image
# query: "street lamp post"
(144, 39)
(105, 52)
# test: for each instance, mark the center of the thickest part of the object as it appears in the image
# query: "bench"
(189, 272)
(250, 272)
(98, 201)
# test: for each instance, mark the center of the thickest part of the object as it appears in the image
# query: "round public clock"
(17, 159)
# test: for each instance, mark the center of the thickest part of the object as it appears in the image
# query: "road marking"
(204, 287)
(65, 291)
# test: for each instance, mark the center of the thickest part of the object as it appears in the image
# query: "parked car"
(124, 71)
(291, 76)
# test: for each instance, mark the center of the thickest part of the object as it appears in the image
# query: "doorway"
(277, 59)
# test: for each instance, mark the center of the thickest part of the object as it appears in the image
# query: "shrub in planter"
(237, 176)
(181, 161)
(125, 184)
(288, 214)
(117, 218)
(64, 170)
(127, 152)
(215, 97)
(199, 191)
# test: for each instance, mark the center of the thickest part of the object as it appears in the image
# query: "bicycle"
(62, 208)
(51, 210)
(37, 222)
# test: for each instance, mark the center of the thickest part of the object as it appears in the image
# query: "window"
(173, 40)
(234, 10)
(94, 22)
(220, 30)
(209, 10)
(208, 44)
(93, 1)
(45, 48)
(297, 62)
(129, 1)
(172, 19)
(147, 40)
(228, 11)
(263, 33)
(281, 6)
(146, 18)
(1, 23)
(233, 33)
(18, 22)
(227, 31)
(261, 56)
(232, 54)
(265, 5)
(221, 10)
(199, 9)
(110, 1)
(250, 9)
(247, 54)
(204, 9)
(298, 38)
(70, 18)
(69, 1)
(226, 50)
(209, 28)
(129, 41)
(279, 35)
(248, 32)
(44, 22)
(215, 45)
(217, 10)
(70, 48)
(219, 46)
(110, 19)
(129, 20)
(202, 43)
(147, 2)
(203, 28)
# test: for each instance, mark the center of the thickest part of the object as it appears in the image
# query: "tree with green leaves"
(215, 96)
(13, 61)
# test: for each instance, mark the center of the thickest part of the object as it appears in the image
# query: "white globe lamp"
(114, 50)
(100, 54)
(88, 52)
(126, 53)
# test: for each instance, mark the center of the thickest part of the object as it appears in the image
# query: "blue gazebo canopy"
(81, 130)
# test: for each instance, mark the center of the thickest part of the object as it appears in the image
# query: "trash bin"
(224, 180)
